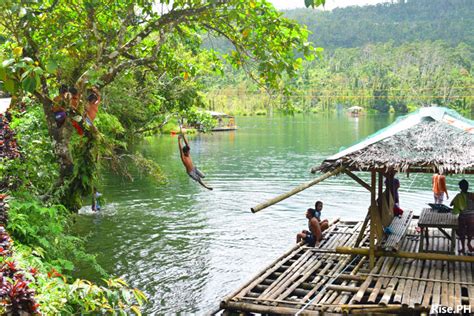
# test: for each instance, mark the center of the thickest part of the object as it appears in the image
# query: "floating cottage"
(225, 122)
(358, 269)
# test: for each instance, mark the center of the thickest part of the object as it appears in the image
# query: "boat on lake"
(225, 122)
(355, 110)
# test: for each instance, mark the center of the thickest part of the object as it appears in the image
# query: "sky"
(330, 4)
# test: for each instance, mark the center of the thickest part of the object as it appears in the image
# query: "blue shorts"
(60, 116)
(88, 121)
(196, 174)
(310, 240)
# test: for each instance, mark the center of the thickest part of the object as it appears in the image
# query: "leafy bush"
(55, 294)
(44, 231)
(37, 170)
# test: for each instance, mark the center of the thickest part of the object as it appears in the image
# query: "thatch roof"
(218, 114)
(428, 140)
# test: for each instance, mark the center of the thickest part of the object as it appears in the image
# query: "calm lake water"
(187, 247)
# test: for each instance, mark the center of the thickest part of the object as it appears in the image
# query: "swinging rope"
(180, 123)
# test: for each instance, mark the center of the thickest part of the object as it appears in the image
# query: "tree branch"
(170, 18)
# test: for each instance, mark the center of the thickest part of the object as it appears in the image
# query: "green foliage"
(148, 167)
(91, 40)
(148, 63)
(43, 230)
(57, 295)
(37, 169)
(86, 153)
(377, 77)
(202, 120)
(397, 21)
(17, 72)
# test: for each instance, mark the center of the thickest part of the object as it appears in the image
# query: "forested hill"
(402, 22)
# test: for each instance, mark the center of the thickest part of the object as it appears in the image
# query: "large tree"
(85, 43)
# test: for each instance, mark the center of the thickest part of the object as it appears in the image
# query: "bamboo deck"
(312, 281)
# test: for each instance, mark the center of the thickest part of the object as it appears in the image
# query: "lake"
(187, 247)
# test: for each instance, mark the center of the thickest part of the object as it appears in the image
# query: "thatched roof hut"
(428, 140)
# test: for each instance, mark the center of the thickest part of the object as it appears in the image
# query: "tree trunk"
(61, 137)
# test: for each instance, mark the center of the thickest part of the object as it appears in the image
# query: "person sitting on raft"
(192, 171)
(315, 225)
(463, 204)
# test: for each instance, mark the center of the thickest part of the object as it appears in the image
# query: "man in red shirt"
(439, 188)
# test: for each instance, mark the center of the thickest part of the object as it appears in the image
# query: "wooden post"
(372, 209)
(296, 190)
(380, 193)
(362, 230)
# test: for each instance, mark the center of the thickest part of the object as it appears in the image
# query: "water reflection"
(187, 247)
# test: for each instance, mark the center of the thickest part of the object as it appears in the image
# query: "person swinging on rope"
(192, 171)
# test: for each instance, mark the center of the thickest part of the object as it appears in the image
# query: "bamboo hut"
(358, 268)
(225, 122)
(355, 110)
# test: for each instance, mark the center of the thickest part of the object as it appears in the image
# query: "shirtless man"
(93, 101)
(192, 171)
(315, 225)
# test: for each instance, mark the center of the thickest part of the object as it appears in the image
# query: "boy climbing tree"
(192, 171)
(92, 108)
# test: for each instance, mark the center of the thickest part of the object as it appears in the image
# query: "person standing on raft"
(192, 171)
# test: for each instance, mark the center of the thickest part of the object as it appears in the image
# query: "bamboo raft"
(379, 265)
(312, 281)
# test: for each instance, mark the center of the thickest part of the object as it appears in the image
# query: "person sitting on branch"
(60, 105)
(192, 171)
(92, 108)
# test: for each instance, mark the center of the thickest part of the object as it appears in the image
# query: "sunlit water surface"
(187, 247)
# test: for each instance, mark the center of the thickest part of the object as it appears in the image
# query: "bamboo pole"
(288, 276)
(404, 254)
(362, 230)
(372, 209)
(428, 290)
(357, 179)
(457, 286)
(469, 268)
(262, 275)
(296, 190)
(438, 266)
(397, 298)
(351, 289)
(444, 286)
(378, 285)
(264, 309)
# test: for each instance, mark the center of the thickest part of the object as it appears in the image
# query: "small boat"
(225, 122)
(355, 110)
